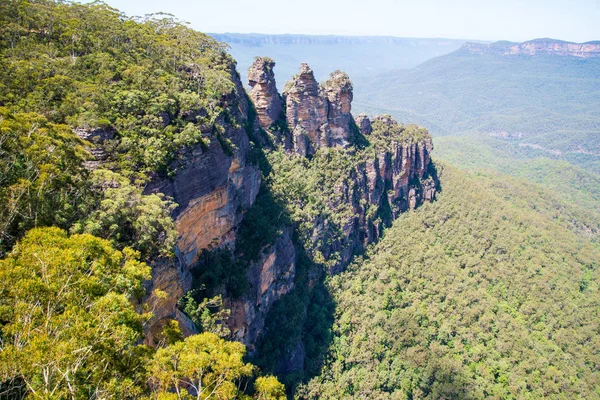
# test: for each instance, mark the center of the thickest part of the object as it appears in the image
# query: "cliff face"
(391, 180)
(270, 278)
(537, 46)
(213, 185)
(383, 183)
(318, 115)
(216, 184)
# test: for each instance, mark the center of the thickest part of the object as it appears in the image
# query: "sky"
(515, 20)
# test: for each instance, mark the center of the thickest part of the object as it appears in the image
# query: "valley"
(259, 216)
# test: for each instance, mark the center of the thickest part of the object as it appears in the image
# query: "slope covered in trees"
(72, 315)
(483, 294)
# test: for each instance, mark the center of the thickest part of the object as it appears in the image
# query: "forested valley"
(169, 232)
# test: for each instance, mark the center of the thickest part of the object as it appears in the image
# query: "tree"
(269, 388)
(122, 214)
(41, 174)
(200, 367)
(68, 327)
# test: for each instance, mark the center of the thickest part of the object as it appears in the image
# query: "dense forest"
(490, 291)
(71, 320)
(485, 293)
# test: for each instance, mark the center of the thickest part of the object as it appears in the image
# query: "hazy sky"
(518, 20)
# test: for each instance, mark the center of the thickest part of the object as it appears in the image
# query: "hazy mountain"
(356, 55)
(544, 94)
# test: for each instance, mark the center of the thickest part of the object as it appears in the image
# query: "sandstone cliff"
(537, 46)
(263, 92)
(318, 115)
(216, 184)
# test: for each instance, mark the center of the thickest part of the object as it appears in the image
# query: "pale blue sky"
(517, 20)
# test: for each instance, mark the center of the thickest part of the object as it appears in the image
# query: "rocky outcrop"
(363, 124)
(96, 137)
(395, 178)
(215, 184)
(263, 92)
(338, 91)
(537, 46)
(318, 115)
(306, 112)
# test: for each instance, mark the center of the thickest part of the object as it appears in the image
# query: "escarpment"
(355, 176)
(214, 185)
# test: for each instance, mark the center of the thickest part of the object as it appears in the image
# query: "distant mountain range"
(544, 93)
(536, 47)
(356, 55)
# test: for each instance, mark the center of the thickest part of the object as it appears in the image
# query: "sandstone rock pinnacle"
(263, 92)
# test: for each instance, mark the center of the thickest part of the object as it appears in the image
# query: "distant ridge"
(536, 46)
(260, 39)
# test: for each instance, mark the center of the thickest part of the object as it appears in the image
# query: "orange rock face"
(263, 92)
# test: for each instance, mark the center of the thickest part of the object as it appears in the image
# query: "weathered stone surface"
(213, 187)
(175, 281)
(270, 278)
(338, 90)
(263, 92)
(306, 112)
(96, 137)
(391, 181)
(319, 115)
(364, 124)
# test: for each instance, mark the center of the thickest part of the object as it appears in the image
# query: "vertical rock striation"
(213, 187)
(338, 91)
(216, 183)
(263, 92)
(306, 112)
(318, 115)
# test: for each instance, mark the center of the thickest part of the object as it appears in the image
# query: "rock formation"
(364, 124)
(215, 185)
(318, 115)
(393, 179)
(263, 92)
(338, 91)
(306, 112)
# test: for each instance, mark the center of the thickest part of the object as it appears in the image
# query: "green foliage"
(68, 327)
(574, 184)
(122, 214)
(157, 83)
(41, 174)
(269, 388)
(208, 316)
(205, 366)
(481, 294)
(305, 314)
(205, 363)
